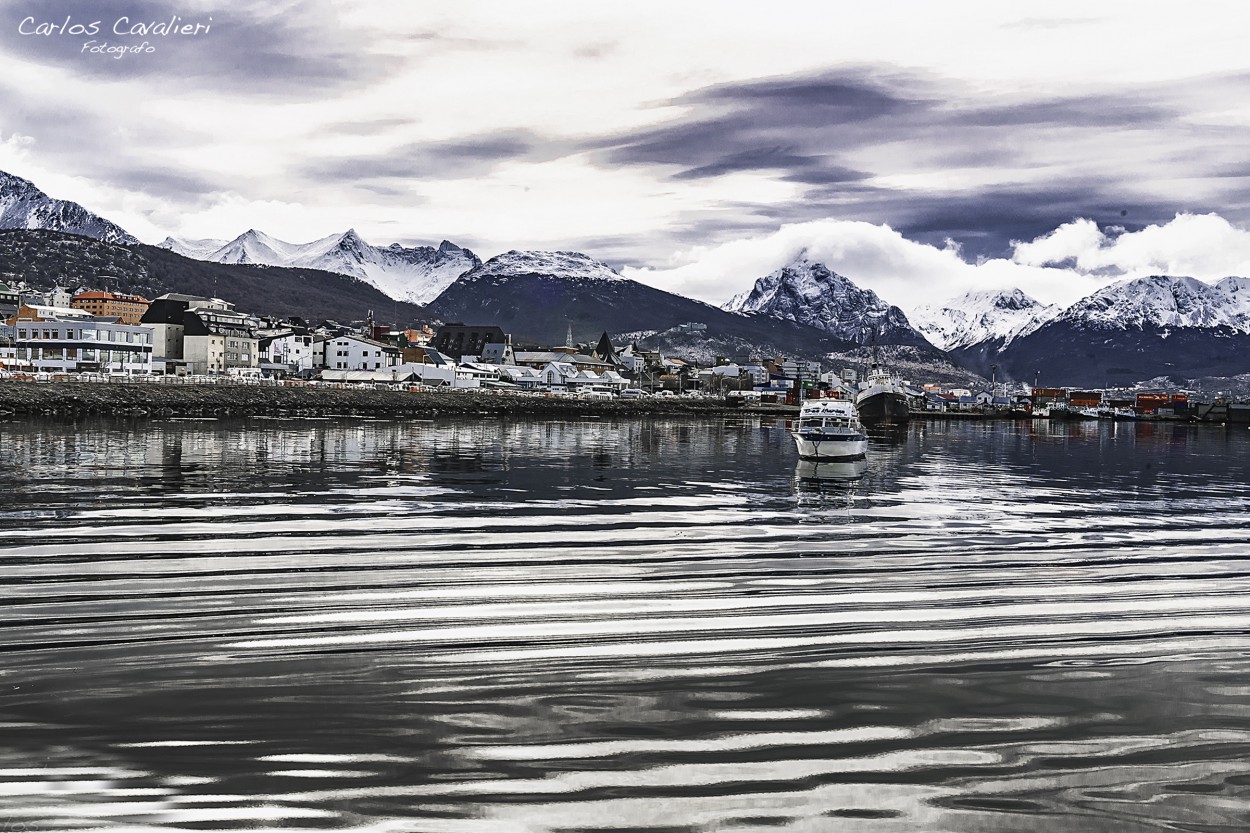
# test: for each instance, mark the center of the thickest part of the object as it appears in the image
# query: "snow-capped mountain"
(978, 317)
(537, 296)
(23, 206)
(565, 265)
(807, 292)
(1164, 301)
(194, 249)
(1140, 329)
(417, 274)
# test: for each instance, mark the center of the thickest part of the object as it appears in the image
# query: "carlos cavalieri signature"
(124, 27)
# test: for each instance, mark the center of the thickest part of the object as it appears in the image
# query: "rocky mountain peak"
(24, 206)
(808, 292)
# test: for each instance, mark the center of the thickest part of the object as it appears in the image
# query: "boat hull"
(835, 447)
(884, 408)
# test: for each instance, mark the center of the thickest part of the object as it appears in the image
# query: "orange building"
(127, 309)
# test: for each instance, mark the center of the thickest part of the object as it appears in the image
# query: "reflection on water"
(644, 625)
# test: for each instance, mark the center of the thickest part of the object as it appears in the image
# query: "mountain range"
(1126, 332)
(415, 274)
(539, 296)
(46, 258)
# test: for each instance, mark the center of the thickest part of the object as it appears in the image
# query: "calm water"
(637, 626)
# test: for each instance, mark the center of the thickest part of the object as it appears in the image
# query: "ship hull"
(884, 408)
(843, 447)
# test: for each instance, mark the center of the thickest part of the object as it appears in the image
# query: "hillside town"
(97, 335)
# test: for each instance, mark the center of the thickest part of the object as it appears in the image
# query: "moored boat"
(882, 398)
(829, 429)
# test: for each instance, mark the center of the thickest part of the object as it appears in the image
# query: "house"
(352, 352)
(940, 402)
(560, 375)
(498, 353)
(440, 371)
(483, 372)
(526, 378)
(66, 340)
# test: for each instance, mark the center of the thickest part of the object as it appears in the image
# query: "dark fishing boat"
(882, 398)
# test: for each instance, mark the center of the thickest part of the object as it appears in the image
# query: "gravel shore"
(70, 399)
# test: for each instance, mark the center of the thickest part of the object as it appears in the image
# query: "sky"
(920, 149)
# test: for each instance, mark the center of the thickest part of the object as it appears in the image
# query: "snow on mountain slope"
(23, 206)
(809, 293)
(978, 317)
(1236, 295)
(1162, 301)
(570, 265)
(194, 249)
(417, 274)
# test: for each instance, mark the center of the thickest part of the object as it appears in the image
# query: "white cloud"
(14, 148)
(902, 271)
(1060, 267)
(1195, 245)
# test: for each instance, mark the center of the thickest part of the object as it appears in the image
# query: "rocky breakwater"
(73, 399)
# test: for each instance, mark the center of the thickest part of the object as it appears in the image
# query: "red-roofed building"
(127, 309)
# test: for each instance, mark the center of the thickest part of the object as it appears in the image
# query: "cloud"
(298, 50)
(1194, 245)
(1061, 266)
(459, 158)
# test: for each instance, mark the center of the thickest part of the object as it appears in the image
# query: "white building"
(64, 340)
(526, 378)
(349, 352)
(286, 351)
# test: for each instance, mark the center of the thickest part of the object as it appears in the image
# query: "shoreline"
(140, 399)
(148, 399)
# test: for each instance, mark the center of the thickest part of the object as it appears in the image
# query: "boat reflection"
(887, 435)
(830, 471)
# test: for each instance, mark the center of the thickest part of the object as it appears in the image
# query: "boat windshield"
(825, 422)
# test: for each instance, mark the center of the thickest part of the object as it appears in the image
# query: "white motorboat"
(829, 429)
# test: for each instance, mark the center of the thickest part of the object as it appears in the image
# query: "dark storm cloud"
(730, 126)
(1084, 113)
(756, 159)
(296, 51)
(837, 132)
(450, 159)
(985, 221)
